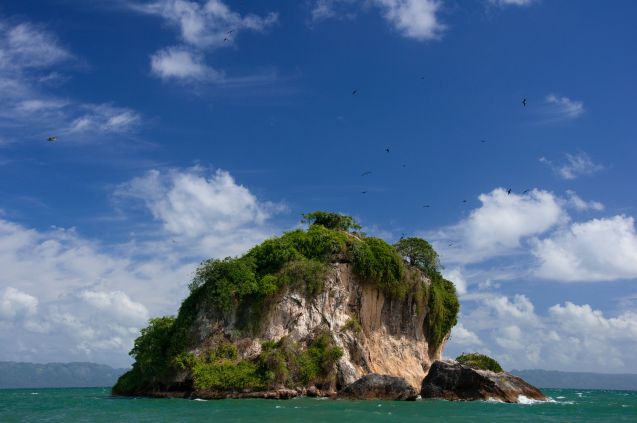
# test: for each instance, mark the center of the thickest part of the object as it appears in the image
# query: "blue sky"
(189, 129)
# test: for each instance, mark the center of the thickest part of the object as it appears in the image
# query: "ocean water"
(97, 405)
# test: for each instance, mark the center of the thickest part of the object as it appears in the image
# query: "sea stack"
(307, 313)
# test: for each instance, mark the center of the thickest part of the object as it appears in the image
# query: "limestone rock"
(379, 387)
(451, 380)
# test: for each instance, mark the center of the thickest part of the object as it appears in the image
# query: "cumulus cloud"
(413, 18)
(210, 208)
(416, 19)
(595, 250)
(498, 226)
(566, 337)
(182, 64)
(464, 337)
(66, 297)
(16, 304)
(576, 165)
(456, 275)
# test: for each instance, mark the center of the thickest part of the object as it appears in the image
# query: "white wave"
(522, 399)
(560, 397)
(199, 399)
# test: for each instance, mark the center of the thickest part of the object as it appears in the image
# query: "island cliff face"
(376, 333)
(307, 313)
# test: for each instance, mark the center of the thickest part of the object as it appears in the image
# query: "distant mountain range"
(56, 375)
(576, 380)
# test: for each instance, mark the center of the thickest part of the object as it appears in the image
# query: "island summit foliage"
(479, 361)
(244, 286)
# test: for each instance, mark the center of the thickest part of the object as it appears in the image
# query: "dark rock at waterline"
(379, 387)
(451, 380)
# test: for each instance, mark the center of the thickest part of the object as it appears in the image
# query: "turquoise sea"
(97, 405)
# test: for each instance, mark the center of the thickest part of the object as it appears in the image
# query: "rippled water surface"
(97, 405)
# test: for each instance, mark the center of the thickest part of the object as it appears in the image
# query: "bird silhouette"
(524, 102)
(526, 190)
(509, 191)
(483, 141)
(354, 92)
(387, 150)
(225, 39)
(52, 138)
(363, 192)
(368, 172)
(464, 201)
(426, 206)
(230, 32)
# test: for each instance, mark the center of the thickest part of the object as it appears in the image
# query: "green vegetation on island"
(479, 362)
(245, 287)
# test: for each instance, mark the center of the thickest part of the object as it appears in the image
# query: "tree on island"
(419, 253)
(334, 221)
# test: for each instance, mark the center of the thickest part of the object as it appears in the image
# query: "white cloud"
(29, 111)
(575, 201)
(512, 2)
(563, 107)
(327, 9)
(104, 118)
(182, 64)
(211, 208)
(27, 46)
(15, 304)
(206, 24)
(464, 337)
(413, 18)
(498, 226)
(567, 337)
(203, 26)
(65, 297)
(596, 250)
(417, 19)
(576, 165)
(457, 277)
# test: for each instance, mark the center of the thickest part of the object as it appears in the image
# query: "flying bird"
(52, 138)
(225, 39)
(368, 172)
(464, 201)
(363, 192)
(426, 206)
(525, 191)
(387, 150)
(524, 102)
(230, 32)
(483, 141)
(354, 92)
(509, 191)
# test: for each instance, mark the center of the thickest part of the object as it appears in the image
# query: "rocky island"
(326, 311)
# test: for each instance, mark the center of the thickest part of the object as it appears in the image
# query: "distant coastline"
(16, 375)
(553, 379)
